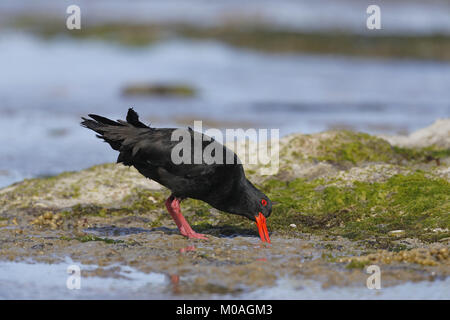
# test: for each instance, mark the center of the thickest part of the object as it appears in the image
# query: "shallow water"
(48, 281)
(20, 280)
(47, 86)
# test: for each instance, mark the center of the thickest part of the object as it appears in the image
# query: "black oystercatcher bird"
(222, 184)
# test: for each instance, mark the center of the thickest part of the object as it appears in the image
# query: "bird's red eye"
(264, 202)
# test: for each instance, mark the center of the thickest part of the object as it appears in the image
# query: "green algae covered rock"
(335, 183)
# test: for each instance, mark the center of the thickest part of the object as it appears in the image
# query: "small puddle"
(311, 290)
(22, 280)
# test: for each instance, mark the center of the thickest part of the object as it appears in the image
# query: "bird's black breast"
(210, 182)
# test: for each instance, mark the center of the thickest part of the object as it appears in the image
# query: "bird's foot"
(191, 234)
(196, 235)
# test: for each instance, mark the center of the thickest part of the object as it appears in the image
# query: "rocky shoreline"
(345, 200)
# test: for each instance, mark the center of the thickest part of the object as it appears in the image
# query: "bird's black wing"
(156, 148)
(151, 150)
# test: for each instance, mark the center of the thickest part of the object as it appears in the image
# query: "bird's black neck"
(242, 197)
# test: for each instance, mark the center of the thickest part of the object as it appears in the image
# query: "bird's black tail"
(115, 132)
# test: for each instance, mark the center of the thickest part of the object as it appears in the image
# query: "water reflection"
(186, 249)
(175, 281)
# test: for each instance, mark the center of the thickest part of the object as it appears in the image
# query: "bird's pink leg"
(173, 206)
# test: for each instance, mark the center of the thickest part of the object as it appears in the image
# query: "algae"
(414, 203)
(89, 238)
(355, 148)
(175, 90)
(257, 37)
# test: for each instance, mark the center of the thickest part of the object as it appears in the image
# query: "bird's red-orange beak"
(262, 228)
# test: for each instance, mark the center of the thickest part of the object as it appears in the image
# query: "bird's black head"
(264, 205)
(251, 203)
